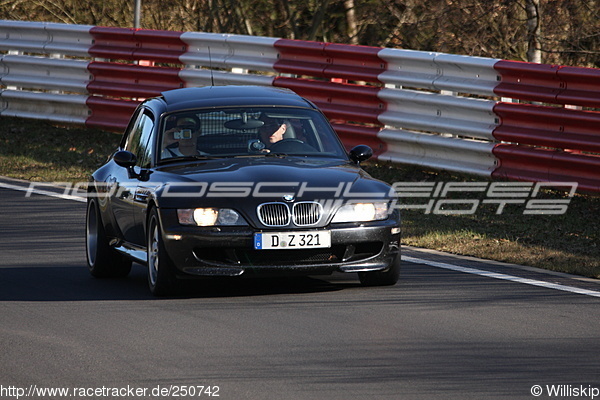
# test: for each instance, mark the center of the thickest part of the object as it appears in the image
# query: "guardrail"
(490, 117)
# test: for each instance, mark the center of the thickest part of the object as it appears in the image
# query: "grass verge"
(38, 151)
(566, 243)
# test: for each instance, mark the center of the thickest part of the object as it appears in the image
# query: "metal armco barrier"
(489, 117)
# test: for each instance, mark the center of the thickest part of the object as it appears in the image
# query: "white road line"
(496, 275)
(30, 190)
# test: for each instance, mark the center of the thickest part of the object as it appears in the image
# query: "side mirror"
(127, 159)
(360, 153)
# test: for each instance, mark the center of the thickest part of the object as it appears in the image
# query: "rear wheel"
(382, 278)
(103, 261)
(161, 271)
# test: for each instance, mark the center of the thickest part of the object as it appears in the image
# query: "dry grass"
(566, 243)
(38, 151)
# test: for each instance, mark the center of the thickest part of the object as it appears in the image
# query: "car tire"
(382, 278)
(161, 270)
(103, 261)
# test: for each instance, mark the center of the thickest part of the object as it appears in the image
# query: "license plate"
(292, 240)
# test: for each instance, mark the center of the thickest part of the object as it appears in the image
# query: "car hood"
(227, 182)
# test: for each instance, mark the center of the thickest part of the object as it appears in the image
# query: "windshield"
(248, 131)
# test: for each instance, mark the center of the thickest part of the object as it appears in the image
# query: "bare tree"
(318, 18)
(557, 31)
(534, 21)
(351, 23)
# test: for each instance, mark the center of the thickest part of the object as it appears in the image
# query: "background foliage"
(565, 32)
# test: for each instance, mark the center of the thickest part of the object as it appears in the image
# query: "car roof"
(223, 96)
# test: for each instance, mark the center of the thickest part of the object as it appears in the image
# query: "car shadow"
(74, 283)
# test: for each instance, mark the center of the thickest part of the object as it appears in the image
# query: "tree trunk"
(317, 22)
(352, 29)
(534, 44)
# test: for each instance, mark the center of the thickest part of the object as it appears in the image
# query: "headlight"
(209, 217)
(361, 212)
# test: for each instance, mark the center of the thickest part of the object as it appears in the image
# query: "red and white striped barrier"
(430, 109)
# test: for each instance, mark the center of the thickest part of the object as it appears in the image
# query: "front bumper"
(229, 251)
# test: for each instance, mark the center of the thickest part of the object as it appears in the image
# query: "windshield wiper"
(281, 155)
(188, 158)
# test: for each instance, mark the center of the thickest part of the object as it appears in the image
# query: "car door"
(126, 199)
(144, 154)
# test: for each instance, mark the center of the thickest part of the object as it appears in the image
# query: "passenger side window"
(139, 141)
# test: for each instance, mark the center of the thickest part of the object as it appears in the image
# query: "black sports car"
(238, 180)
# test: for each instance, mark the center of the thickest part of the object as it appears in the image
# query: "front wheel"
(161, 271)
(382, 278)
(103, 261)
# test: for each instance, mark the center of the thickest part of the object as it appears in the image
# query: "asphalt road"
(439, 333)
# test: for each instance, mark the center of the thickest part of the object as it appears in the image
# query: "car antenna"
(212, 78)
